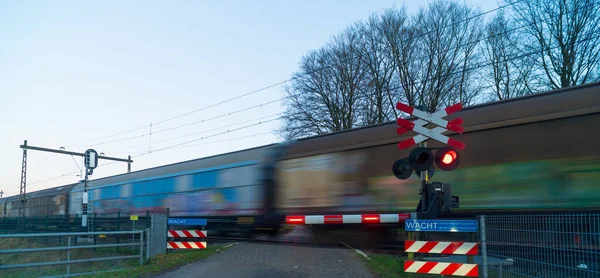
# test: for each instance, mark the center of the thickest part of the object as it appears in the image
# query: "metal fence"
(541, 245)
(65, 223)
(71, 254)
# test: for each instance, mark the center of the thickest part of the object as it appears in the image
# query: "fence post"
(148, 244)
(118, 228)
(141, 247)
(483, 246)
(69, 256)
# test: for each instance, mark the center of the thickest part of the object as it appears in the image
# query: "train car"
(533, 153)
(231, 190)
(46, 202)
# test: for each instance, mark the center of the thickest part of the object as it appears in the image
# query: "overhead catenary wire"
(476, 66)
(343, 60)
(283, 98)
(480, 65)
(207, 143)
(196, 133)
(193, 123)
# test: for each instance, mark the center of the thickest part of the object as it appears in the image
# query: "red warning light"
(447, 159)
(295, 219)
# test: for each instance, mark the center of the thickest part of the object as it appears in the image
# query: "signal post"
(422, 159)
(436, 197)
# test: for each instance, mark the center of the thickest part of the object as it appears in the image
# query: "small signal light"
(295, 219)
(370, 218)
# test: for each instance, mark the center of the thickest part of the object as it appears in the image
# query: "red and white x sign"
(425, 118)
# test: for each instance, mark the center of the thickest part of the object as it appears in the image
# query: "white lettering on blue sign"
(457, 226)
(187, 221)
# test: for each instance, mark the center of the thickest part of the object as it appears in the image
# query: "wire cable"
(196, 133)
(343, 60)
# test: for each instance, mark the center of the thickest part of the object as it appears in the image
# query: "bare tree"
(401, 41)
(566, 37)
(324, 94)
(508, 73)
(379, 99)
(434, 53)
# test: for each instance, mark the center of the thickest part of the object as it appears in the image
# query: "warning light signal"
(447, 159)
(422, 159)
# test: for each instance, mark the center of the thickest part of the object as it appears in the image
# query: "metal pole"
(85, 201)
(23, 190)
(69, 256)
(133, 235)
(148, 237)
(141, 247)
(484, 247)
(1, 193)
(424, 181)
(129, 164)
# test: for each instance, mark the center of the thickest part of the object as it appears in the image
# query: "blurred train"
(533, 153)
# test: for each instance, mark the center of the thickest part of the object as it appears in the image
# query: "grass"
(385, 266)
(164, 263)
(54, 256)
(159, 264)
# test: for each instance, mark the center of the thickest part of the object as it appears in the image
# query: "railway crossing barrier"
(468, 269)
(345, 219)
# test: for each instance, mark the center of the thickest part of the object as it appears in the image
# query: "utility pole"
(88, 171)
(1, 193)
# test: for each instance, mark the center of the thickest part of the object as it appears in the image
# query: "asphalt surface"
(265, 260)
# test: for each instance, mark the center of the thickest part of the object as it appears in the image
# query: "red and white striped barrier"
(455, 269)
(186, 245)
(441, 247)
(346, 219)
(186, 233)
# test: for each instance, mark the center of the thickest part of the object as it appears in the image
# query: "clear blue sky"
(72, 71)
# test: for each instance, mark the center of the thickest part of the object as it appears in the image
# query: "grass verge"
(164, 263)
(385, 266)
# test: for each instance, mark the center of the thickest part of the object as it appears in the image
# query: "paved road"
(276, 260)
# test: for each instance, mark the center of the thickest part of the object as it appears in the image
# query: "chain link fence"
(541, 245)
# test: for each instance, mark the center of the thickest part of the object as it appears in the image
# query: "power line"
(285, 81)
(477, 66)
(276, 84)
(210, 136)
(308, 73)
(207, 143)
(196, 133)
(193, 123)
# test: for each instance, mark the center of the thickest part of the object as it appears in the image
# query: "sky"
(72, 72)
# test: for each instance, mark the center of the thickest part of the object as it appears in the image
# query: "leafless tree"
(508, 72)
(379, 98)
(400, 38)
(433, 54)
(565, 34)
(325, 92)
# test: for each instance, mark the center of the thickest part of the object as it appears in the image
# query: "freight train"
(534, 153)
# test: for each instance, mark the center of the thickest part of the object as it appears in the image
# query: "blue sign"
(187, 221)
(457, 226)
